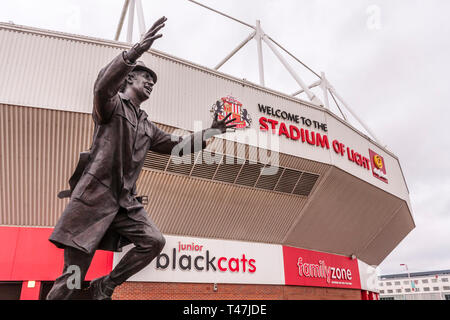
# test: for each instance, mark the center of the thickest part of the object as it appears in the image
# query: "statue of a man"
(103, 212)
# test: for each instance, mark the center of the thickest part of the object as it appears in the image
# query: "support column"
(258, 37)
(141, 20)
(130, 21)
(324, 87)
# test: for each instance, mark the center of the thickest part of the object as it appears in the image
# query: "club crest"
(378, 166)
(231, 105)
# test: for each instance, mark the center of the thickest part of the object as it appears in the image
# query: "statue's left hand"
(224, 124)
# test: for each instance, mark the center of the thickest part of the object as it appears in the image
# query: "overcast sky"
(389, 59)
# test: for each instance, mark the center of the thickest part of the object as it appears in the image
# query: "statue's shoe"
(99, 290)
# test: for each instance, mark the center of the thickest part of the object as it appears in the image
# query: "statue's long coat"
(105, 178)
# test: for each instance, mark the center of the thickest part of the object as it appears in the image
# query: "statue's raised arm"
(112, 76)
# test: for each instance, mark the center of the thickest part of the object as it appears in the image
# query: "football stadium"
(295, 203)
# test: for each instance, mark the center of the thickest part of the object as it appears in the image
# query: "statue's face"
(142, 84)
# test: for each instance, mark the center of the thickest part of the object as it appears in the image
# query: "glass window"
(407, 290)
(435, 288)
(416, 289)
(390, 291)
(444, 279)
(406, 282)
(399, 290)
(433, 280)
(381, 291)
(381, 284)
(397, 283)
(426, 289)
(424, 280)
(389, 283)
(446, 288)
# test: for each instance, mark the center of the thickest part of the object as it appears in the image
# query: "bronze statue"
(103, 212)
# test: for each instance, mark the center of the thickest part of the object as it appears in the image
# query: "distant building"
(429, 285)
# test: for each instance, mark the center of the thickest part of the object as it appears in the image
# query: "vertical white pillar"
(258, 38)
(122, 17)
(130, 21)
(324, 87)
(140, 15)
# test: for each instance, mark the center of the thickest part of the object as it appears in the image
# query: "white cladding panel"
(250, 99)
(57, 71)
(198, 260)
(49, 72)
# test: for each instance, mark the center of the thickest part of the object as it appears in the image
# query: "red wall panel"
(26, 254)
(317, 269)
(8, 240)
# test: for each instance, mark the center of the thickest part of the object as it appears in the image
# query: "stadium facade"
(295, 204)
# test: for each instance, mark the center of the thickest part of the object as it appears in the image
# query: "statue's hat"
(141, 66)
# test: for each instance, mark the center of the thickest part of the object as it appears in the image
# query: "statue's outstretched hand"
(224, 124)
(147, 40)
(151, 35)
